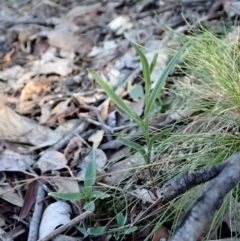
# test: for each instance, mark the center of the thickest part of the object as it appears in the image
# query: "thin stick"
(224, 177)
(35, 221)
(64, 141)
(67, 226)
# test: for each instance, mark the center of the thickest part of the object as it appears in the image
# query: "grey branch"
(184, 182)
(224, 177)
(36, 218)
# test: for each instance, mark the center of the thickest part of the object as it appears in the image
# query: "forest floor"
(72, 159)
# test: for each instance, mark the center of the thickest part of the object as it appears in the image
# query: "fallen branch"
(224, 177)
(36, 218)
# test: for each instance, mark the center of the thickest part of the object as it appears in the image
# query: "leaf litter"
(53, 113)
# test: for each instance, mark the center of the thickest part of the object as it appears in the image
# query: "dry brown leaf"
(101, 161)
(138, 106)
(51, 160)
(67, 41)
(232, 7)
(45, 112)
(2, 222)
(60, 107)
(161, 233)
(105, 109)
(29, 199)
(123, 169)
(55, 214)
(16, 128)
(89, 97)
(82, 10)
(96, 138)
(120, 24)
(8, 194)
(12, 161)
(62, 67)
(67, 185)
(26, 107)
(74, 144)
(11, 73)
(119, 154)
(33, 88)
(145, 195)
(23, 79)
(67, 126)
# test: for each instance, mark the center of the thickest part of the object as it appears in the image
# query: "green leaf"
(160, 82)
(153, 63)
(159, 135)
(89, 205)
(99, 194)
(69, 196)
(121, 220)
(133, 145)
(117, 235)
(145, 69)
(130, 230)
(97, 231)
(84, 231)
(91, 171)
(116, 99)
(87, 192)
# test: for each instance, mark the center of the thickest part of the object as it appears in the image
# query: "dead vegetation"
(53, 113)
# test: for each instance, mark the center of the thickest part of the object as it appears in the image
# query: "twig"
(186, 181)
(67, 226)
(27, 20)
(35, 221)
(157, 11)
(225, 177)
(79, 129)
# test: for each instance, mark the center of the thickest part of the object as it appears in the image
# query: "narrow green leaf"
(97, 231)
(91, 171)
(84, 231)
(121, 220)
(117, 100)
(69, 196)
(153, 63)
(99, 194)
(89, 205)
(133, 145)
(145, 69)
(160, 82)
(130, 230)
(158, 136)
(86, 191)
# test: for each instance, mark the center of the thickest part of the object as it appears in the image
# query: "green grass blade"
(116, 99)
(91, 171)
(160, 82)
(145, 69)
(134, 145)
(159, 135)
(153, 63)
(69, 196)
(89, 205)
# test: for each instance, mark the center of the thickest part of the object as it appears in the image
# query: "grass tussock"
(211, 89)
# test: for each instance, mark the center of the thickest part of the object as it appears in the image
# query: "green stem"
(149, 147)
